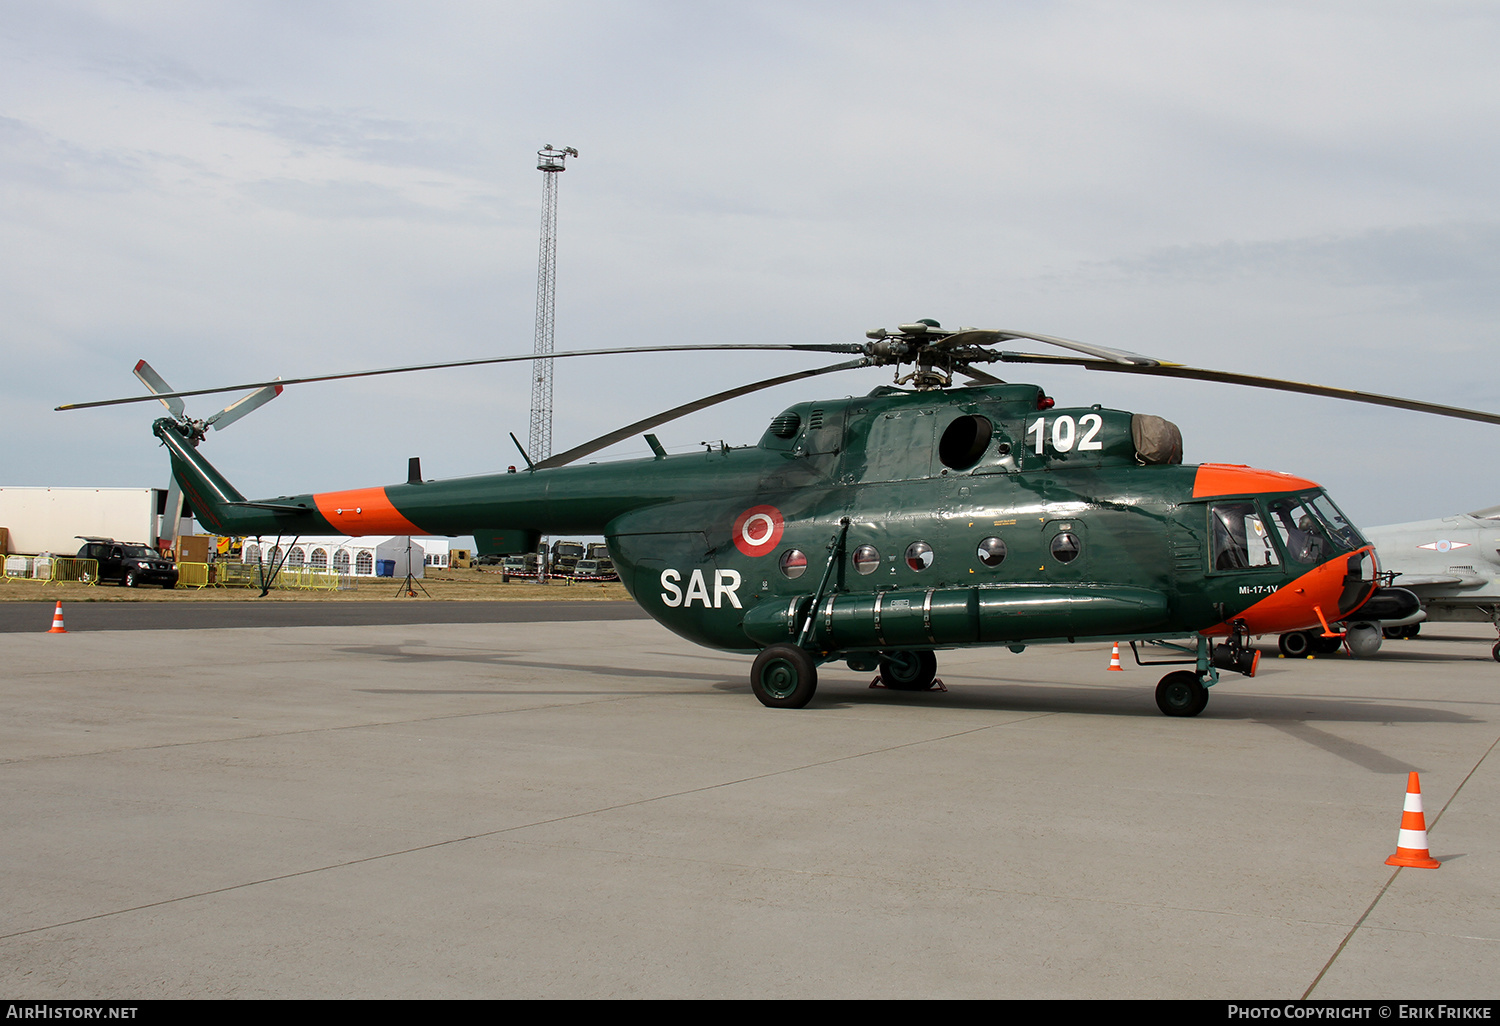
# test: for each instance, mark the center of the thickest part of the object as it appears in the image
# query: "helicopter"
(881, 529)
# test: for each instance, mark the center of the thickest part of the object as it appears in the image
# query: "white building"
(53, 519)
(357, 557)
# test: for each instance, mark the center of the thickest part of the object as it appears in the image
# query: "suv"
(130, 563)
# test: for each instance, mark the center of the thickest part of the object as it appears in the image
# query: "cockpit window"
(1344, 533)
(1312, 528)
(1240, 538)
(1302, 534)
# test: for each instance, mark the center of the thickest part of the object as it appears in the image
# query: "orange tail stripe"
(363, 511)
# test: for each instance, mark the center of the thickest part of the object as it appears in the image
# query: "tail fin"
(207, 490)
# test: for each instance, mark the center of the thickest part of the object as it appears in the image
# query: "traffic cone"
(1114, 660)
(57, 621)
(1411, 843)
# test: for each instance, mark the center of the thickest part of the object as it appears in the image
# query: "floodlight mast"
(550, 162)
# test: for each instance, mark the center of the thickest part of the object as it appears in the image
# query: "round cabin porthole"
(1065, 547)
(866, 559)
(919, 555)
(793, 564)
(992, 552)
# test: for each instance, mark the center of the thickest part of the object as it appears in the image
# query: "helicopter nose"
(1325, 594)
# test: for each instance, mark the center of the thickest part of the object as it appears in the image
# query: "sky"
(241, 190)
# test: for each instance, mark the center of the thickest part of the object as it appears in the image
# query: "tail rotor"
(195, 430)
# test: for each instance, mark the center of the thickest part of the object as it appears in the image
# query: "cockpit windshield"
(1312, 528)
(1344, 533)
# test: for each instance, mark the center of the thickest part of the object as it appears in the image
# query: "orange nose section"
(1297, 605)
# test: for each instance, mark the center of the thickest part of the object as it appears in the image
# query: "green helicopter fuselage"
(894, 521)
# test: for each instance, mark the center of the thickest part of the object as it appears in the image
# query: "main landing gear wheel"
(908, 671)
(1181, 694)
(784, 677)
(1496, 651)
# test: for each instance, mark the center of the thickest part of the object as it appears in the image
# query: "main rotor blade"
(839, 347)
(234, 411)
(157, 384)
(1119, 356)
(604, 441)
(1173, 370)
(978, 376)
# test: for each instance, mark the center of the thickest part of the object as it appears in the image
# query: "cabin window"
(1066, 547)
(866, 559)
(919, 555)
(992, 552)
(793, 564)
(1240, 538)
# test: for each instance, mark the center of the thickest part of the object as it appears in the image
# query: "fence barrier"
(224, 573)
(47, 569)
(228, 573)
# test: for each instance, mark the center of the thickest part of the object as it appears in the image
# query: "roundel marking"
(758, 530)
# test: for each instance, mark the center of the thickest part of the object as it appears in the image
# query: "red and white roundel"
(758, 530)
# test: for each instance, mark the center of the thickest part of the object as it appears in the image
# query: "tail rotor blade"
(171, 517)
(158, 385)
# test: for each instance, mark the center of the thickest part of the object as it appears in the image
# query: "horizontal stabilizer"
(275, 507)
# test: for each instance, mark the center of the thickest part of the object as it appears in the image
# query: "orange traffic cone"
(1411, 843)
(1114, 660)
(57, 622)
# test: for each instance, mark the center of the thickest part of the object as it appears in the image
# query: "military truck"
(523, 565)
(565, 557)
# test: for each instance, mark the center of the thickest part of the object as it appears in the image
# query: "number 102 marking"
(1065, 433)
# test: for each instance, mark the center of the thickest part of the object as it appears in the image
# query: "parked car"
(129, 563)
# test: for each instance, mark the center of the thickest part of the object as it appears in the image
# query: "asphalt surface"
(24, 617)
(600, 809)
